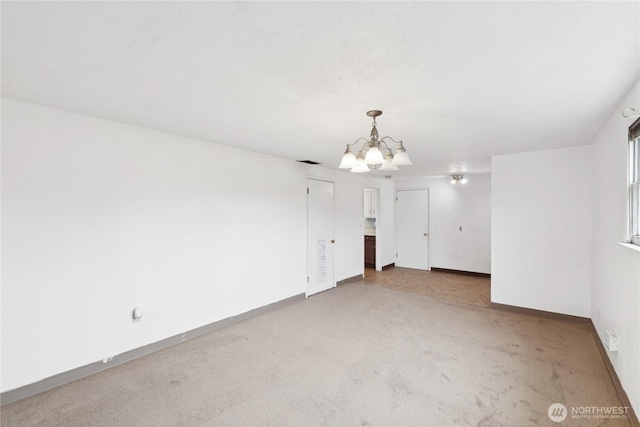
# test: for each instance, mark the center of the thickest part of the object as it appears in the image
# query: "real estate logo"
(557, 412)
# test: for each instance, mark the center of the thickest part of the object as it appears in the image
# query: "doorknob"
(333, 240)
(426, 234)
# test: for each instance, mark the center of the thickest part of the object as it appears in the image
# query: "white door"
(320, 240)
(412, 229)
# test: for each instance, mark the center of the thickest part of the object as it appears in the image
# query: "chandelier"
(375, 152)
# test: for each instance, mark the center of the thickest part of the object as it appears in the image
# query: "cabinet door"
(366, 204)
(370, 251)
(369, 204)
(374, 204)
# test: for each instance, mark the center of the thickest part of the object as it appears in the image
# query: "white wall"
(99, 217)
(541, 230)
(615, 298)
(454, 206)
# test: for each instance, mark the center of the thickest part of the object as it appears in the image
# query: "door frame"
(333, 229)
(395, 219)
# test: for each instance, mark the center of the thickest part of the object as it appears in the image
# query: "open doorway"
(370, 213)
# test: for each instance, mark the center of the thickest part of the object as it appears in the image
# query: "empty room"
(343, 213)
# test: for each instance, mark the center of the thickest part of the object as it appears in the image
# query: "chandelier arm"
(388, 137)
(385, 144)
(357, 140)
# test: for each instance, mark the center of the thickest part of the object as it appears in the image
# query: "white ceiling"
(457, 81)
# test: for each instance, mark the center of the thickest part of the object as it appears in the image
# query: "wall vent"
(309, 162)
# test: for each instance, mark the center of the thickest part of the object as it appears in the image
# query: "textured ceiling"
(457, 81)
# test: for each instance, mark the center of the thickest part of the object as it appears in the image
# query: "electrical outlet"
(460, 228)
(611, 340)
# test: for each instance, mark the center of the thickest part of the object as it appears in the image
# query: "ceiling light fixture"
(456, 178)
(375, 152)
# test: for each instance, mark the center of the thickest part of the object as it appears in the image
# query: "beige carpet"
(361, 354)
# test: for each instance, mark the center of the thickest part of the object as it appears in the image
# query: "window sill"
(630, 246)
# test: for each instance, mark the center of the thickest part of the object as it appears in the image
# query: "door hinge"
(307, 279)
(396, 199)
(396, 254)
(307, 191)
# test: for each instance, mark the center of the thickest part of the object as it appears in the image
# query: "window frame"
(634, 183)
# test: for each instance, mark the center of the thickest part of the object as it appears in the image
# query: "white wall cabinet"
(370, 203)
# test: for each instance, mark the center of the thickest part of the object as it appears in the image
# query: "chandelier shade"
(348, 160)
(374, 156)
(401, 158)
(375, 152)
(361, 165)
(388, 164)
